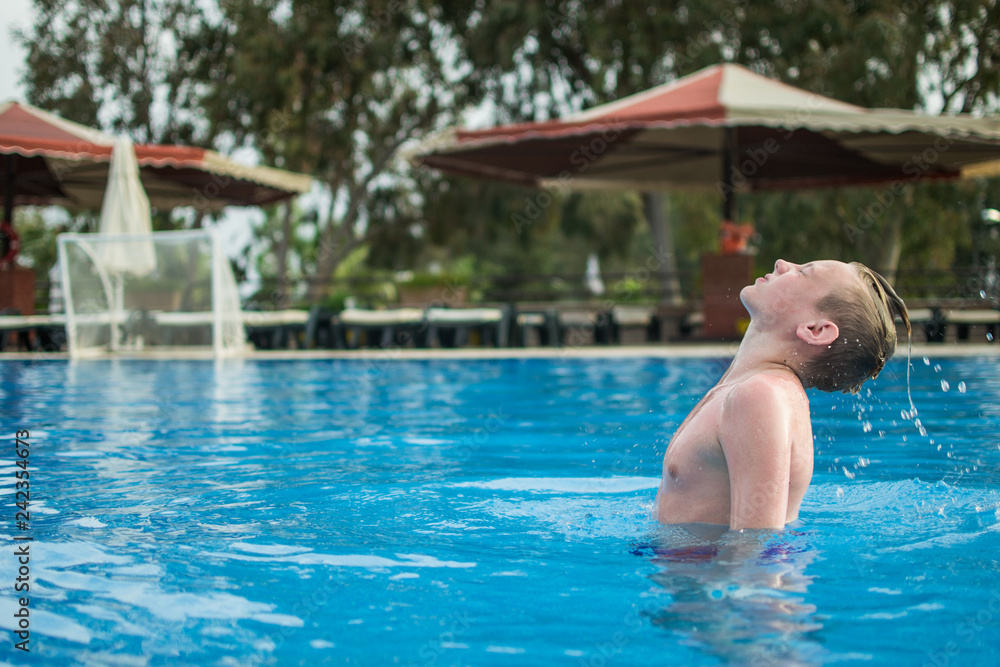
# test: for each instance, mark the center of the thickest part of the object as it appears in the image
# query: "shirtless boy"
(743, 457)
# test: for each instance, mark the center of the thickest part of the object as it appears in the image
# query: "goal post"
(157, 292)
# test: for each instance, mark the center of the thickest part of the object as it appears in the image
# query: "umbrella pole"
(8, 192)
(728, 165)
(660, 224)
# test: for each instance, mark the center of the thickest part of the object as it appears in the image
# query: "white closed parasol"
(593, 275)
(125, 213)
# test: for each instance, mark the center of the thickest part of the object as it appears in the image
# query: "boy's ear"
(818, 332)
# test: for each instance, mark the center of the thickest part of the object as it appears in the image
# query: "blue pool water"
(487, 512)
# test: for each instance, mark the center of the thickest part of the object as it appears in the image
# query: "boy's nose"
(781, 266)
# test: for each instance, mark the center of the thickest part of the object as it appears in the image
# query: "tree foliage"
(336, 91)
(340, 89)
(127, 66)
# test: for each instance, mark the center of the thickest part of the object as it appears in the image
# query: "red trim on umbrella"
(28, 135)
(150, 155)
(698, 98)
(683, 102)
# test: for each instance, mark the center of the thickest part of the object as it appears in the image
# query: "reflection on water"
(738, 595)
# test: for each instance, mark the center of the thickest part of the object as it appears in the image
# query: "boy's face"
(791, 292)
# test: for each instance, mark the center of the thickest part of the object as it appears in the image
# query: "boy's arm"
(755, 435)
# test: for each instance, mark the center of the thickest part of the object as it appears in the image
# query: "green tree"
(336, 91)
(125, 66)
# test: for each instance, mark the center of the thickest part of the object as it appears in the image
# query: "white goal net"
(149, 292)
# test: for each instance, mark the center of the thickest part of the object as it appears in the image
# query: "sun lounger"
(691, 323)
(33, 332)
(277, 329)
(582, 327)
(48, 332)
(920, 315)
(19, 322)
(451, 326)
(635, 317)
(16, 322)
(931, 320)
(400, 326)
(935, 322)
(544, 322)
(965, 319)
(397, 326)
(266, 329)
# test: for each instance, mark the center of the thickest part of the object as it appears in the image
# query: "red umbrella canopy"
(45, 159)
(724, 127)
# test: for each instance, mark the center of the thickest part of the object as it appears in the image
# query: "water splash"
(912, 414)
(909, 366)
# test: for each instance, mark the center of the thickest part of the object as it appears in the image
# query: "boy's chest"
(695, 457)
(695, 445)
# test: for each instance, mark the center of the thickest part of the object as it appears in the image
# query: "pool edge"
(667, 351)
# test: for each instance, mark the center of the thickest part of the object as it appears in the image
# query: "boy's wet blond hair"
(867, 338)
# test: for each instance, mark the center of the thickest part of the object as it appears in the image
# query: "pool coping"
(663, 351)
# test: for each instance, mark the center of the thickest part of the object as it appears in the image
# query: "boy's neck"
(763, 350)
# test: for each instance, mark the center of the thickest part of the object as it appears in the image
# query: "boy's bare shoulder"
(760, 418)
(765, 391)
(768, 385)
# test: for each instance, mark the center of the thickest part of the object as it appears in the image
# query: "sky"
(16, 13)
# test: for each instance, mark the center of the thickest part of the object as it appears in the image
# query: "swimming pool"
(482, 512)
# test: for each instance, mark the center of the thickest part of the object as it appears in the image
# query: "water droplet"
(961, 387)
(840, 492)
(937, 368)
(982, 294)
(867, 427)
(863, 462)
(927, 362)
(945, 386)
(847, 473)
(989, 335)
